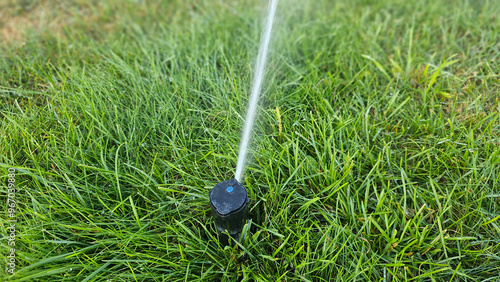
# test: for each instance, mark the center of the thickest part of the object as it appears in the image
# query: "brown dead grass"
(58, 18)
(17, 17)
(54, 17)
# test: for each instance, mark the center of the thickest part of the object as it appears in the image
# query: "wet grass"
(376, 153)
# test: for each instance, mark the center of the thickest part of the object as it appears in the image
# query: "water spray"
(229, 199)
(256, 87)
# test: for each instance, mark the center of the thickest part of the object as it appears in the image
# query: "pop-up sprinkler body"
(229, 203)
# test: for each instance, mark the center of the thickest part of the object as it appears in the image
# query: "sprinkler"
(229, 203)
(229, 199)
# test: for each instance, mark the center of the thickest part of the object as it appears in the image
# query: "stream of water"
(256, 88)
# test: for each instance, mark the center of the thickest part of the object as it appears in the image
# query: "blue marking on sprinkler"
(230, 189)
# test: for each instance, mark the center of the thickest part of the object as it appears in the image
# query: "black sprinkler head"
(229, 202)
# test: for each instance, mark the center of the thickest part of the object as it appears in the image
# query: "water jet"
(229, 199)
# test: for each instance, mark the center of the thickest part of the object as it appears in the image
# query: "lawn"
(375, 154)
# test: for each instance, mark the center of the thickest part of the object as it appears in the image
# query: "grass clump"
(375, 154)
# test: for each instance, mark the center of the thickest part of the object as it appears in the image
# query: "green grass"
(376, 153)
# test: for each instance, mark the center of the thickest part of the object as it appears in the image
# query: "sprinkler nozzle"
(229, 203)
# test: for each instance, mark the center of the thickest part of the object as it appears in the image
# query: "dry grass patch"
(59, 18)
